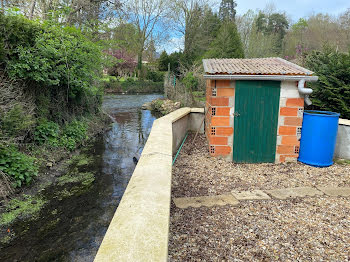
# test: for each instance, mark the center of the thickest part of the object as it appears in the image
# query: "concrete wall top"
(140, 227)
(344, 122)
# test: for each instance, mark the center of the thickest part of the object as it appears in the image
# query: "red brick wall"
(219, 125)
(290, 122)
(219, 130)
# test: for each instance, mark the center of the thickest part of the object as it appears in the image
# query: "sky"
(297, 8)
(294, 9)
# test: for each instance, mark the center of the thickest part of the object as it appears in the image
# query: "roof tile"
(254, 66)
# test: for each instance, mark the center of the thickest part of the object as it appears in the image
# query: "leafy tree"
(199, 25)
(332, 91)
(126, 64)
(227, 44)
(227, 10)
(125, 36)
(316, 31)
(245, 24)
(300, 25)
(56, 62)
(163, 61)
(190, 82)
(148, 17)
(274, 24)
(174, 60)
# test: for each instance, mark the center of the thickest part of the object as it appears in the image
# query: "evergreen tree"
(227, 43)
(274, 25)
(163, 61)
(332, 90)
(227, 10)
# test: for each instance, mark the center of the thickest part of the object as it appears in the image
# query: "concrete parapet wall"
(140, 226)
(342, 149)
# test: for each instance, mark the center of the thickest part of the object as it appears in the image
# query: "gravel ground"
(300, 229)
(199, 174)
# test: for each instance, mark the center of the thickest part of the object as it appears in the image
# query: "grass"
(199, 95)
(342, 161)
(16, 207)
(74, 176)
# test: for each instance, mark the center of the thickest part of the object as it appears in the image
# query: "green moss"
(74, 191)
(85, 178)
(63, 194)
(342, 161)
(50, 225)
(16, 207)
(80, 160)
(5, 240)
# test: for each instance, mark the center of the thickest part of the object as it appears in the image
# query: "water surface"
(124, 141)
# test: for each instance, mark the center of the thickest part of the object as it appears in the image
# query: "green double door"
(255, 121)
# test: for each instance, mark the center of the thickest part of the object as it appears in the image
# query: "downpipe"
(304, 91)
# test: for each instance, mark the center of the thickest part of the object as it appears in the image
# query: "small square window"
(299, 131)
(213, 131)
(212, 149)
(300, 111)
(213, 111)
(213, 91)
(296, 150)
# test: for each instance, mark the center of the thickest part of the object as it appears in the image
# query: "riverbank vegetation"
(50, 95)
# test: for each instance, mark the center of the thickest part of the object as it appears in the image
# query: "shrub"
(132, 86)
(190, 81)
(16, 121)
(47, 132)
(17, 165)
(52, 59)
(154, 76)
(76, 130)
(68, 142)
(111, 82)
(332, 90)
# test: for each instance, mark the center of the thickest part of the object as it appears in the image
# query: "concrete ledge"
(342, 148)
(140, 226)
(344, 122)
(197, 110)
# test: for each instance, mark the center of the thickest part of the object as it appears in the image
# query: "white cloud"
(297, 8)
(174, 44)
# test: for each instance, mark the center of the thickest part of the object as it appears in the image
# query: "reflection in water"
(126, 138)
(124, 141)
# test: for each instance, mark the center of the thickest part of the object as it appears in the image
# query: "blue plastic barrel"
(318, 138)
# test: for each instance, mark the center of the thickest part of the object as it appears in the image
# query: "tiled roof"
(254, 66)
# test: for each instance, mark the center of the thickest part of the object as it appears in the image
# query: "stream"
(73, 223)
(125, 140)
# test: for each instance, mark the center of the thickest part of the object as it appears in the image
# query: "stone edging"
(281, 194)
(344, 122)
(140, 226)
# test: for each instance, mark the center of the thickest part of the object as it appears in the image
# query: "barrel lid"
(321, 113)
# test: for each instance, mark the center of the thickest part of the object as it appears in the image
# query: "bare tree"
(150, 18)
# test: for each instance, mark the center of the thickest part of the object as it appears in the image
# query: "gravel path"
(302, 229)
(199, 174)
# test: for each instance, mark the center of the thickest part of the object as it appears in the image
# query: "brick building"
(255, 108)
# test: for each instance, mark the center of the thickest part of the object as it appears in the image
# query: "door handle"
(236, 114)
